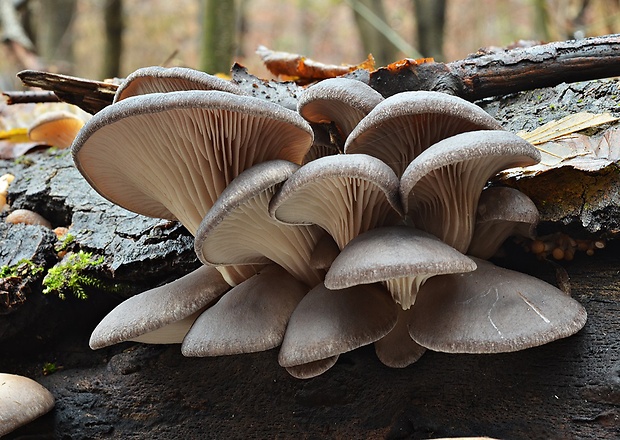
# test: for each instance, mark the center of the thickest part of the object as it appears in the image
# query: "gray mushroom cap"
(327, 323)
(162, 315)
(342, 101)
(251, 317)
(502, 212)
(401, 257)
(397, 349)
(492, 310)
(156, 79)
(312, 369)
(343, 194)
(239, 230)
(399, 128)
(22, 400)
(441, 187)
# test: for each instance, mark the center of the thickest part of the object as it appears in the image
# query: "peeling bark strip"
(499, 73)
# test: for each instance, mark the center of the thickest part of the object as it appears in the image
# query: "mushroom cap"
(441, 187)
(312, 369)
(21, 401)
(401, 256)
(170, 155)
(342, 101)
(156, 79)
(58, 129)
(327, 323)
(492, 310)
(324, 253)
(400, 127)
(501, 212)
(238, 229)
(139, 317)
(397, 349)
(251, 317)
(344, 194)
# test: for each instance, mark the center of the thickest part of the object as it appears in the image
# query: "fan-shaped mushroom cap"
(492, 310)
(441, 187)
(402, 257)
(21, 401)
(57, 129)
(162, 315)
(397, 349)
(324, 253)
(312, 369)
(327, 323)
(342, 101)
(402, 126)
(502, 212)
(239, 230)
(157, 79)
(344, 194)
(251, 317)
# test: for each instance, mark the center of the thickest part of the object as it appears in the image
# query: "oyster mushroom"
(401, 257)
(397, 349)
(441, 187)
(58, 129)
(22, 400)
(170, 155)
(157, 79)
(492, 310)
(328, 323)
(238, 229)
(162, 315)
(400, 127)
(502, 212)
(344, 194)
(251, 317)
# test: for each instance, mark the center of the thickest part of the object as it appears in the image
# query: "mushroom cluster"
(376, 233)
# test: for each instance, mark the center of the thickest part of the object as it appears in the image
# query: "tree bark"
(430, 20)
(373, 40)
(113, 19)
(218, 36)
(53, 40)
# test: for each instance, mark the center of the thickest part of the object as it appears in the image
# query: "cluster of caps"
(349, 220)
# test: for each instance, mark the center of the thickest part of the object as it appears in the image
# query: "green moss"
(23, 268)
(70, 276)
(64, 244)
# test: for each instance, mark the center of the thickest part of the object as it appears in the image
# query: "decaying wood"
(32, 96)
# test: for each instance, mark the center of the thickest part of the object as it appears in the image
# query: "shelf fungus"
(322, 255)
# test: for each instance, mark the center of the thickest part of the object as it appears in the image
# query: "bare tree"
(52, 35)
(369, 17)
(113, 20)
(430, 20)
(218, 35)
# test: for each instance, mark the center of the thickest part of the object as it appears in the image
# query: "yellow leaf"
(15, 135)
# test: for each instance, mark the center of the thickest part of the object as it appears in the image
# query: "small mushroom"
(341, 101)
(238, 229)
(327, 323)
(441, 187)
(492, 310)
(251, 317)
(156, 79)
(162, 315)
(401, 257)
(400, 127)
(345, 194)
(502, 212)
(22, 400)
(57, 129)
(27, 217)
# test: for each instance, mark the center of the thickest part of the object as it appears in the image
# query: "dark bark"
(218, 36)
(430, 20)
(113, 19)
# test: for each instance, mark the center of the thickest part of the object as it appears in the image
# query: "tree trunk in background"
(52, 27)
(373, 40)
(541, 20)
(430, 20)
(113, 19)
(218, 36)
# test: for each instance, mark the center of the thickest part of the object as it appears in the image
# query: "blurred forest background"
(100, 39)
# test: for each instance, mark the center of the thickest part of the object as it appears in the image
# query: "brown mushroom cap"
(501, 212)
(157, 79)
(342, 101)
(58, 129)
(21, 401)
(238, 229)
(441, 187)
(170, 155)
(251, 317)
(402, 257)
(162, 315)
(397, 349)
(492, 310)
(327, 323)
(402, 126)
(344, 194)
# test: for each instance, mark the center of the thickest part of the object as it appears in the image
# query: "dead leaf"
(567, 125)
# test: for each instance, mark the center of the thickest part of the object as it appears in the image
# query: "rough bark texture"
(566, 389)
